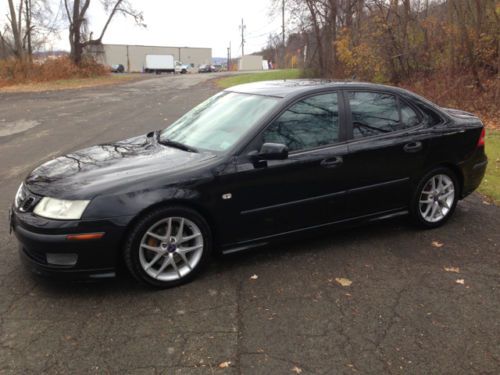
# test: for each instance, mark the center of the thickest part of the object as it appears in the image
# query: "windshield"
(220, 122)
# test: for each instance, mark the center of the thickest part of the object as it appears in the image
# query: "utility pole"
(242, 27)
(283, 31)
(229, 57)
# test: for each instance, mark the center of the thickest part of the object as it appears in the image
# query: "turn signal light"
(480, 142)
(85, 236)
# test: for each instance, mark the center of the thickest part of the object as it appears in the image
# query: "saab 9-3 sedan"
(255, 163)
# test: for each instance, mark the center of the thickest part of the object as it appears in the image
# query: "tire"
(153, 253)
(435, 198)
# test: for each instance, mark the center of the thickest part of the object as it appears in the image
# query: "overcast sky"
(192, 23)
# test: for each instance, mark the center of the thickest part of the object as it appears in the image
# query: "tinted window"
(378, 113)
(409, 117)
(310, 123)
(430, 117)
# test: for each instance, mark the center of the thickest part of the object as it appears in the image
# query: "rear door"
(387, 151)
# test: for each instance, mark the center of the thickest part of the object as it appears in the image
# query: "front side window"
(379, 113)
(310, 123)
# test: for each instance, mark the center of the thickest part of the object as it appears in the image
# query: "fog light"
(62, 259)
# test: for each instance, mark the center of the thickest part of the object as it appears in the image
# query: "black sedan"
(253, 164)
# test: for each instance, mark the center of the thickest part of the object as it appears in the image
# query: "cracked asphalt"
(402, 314)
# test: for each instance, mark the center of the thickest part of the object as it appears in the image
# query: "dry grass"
(15, 72)
(68, 84)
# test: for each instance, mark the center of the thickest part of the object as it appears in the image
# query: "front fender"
(132, 203)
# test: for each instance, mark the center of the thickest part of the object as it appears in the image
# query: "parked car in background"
(206, 68)
(254, 164)
(117, 68)
(182, 68)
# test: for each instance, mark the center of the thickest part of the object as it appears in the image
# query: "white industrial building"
(252, 62)
(132, 57)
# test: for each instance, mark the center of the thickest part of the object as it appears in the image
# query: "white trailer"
(159, 64)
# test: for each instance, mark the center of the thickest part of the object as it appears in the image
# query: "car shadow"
(315, 242)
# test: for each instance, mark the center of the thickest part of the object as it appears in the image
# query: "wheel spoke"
(185, 259)
(426, 201)
(440, 183)
(164, 265)
(178, 237)
(186, 250)
(155, 259)
(169, 228)
(426, 212)
(188, 238)
(175, 267)
(448, 193)
(151, 248)
(445, 187)
(434, 210)
(154, 235)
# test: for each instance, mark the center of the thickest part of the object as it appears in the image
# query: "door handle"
(332, 162)
(412, 147)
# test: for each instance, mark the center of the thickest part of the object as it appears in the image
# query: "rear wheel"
(168, 247)
(435, 198)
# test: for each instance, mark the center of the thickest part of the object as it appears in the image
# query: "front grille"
(37, 256)
(27, 204)
(25, 200)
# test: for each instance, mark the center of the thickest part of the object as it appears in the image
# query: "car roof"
(293, 87)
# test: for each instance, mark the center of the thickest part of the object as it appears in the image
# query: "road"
(277, 310)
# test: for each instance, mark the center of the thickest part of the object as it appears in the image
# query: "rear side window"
(379, 113)
(309, 123)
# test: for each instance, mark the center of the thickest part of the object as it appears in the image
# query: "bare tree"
(76, 13)
(15, 27)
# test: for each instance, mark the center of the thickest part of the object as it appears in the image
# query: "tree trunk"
(27, 16)
(16, 32)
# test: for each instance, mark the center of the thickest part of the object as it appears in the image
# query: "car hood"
(89, 172)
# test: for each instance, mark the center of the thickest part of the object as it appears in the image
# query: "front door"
(305, 190)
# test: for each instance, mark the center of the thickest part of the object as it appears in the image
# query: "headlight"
(19, 196)
(52, 208)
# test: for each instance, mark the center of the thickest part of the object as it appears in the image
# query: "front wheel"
(168, 247)
(435, 198)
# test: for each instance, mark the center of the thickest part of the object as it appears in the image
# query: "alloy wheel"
(171, 248)
(437, 198)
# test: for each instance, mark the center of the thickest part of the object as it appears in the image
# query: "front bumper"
(46, 250)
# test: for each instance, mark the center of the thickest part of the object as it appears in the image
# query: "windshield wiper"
(179, 145)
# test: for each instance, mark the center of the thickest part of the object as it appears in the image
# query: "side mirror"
(270, 151)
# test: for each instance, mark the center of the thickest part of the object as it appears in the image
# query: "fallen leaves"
(297, 370)
(437, 244)
(225, 364)
(452, 269)
(254, 277)
(343, 281)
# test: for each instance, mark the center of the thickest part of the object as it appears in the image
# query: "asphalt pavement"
(384, 298)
